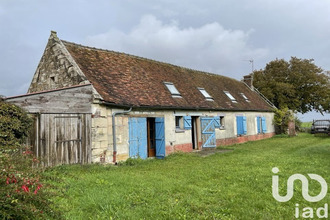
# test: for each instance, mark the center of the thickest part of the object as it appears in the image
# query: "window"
(173, 90)
(230, 96)
(205, 94)
(246, 98)
(182, 123)
(241, 125)
(261, 125)
(178, 122)
(222, 122)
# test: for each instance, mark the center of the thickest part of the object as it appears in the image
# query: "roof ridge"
(148, 59)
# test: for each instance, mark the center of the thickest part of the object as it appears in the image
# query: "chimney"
(248, 80)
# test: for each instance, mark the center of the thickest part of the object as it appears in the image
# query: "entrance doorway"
(194, 133)
(151, 132)
(146, 137)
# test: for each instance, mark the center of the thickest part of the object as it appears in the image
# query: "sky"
(218, 36)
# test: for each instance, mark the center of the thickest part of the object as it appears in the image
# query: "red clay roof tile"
(128, 80)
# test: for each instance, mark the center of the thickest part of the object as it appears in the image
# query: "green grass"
(232, 185)
(306, 124)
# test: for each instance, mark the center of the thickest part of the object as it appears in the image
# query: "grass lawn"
(232, 185)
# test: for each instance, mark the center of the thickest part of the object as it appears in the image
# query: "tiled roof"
(127, 80)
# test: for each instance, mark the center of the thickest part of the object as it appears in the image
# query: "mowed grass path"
(231, 185)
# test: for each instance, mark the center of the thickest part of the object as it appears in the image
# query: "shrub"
(15, 126)
(281, 120)
(298, 124)
(22, 194)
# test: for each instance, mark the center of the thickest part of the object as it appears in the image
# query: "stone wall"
(56, 69)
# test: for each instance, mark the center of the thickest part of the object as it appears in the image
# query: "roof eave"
(111, 104)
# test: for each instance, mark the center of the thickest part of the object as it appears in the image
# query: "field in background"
(232, 185)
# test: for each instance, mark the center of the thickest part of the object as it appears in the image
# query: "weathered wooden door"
(160, 137)
(138, 138)
(62, 138)
(68, 141)
(208, 131)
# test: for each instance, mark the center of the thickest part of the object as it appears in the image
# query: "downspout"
(114, 132)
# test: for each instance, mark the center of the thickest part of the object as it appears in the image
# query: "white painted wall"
(102, 128)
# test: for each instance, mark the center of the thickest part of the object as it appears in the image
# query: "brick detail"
(242, 139)
(220, 142)
(179, 148)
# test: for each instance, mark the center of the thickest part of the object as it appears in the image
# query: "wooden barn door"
(63, 138)
(68, 140)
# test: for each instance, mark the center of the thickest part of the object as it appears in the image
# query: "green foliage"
(298, 124)
(22, 194)
(233, 185)
(281, 120)
(14, 126)
(298, 85)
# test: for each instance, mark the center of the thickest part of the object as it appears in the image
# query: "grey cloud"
(210, 47)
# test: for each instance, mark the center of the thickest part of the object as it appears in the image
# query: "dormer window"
(173, 90)
(230, 96)
(205, 94)
(246, 98)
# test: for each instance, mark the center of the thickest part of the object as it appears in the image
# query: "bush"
(281, 120)
(298, 124)
(15, 126)
(21, 190)
(22, 194)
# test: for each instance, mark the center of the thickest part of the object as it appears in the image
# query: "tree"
(299, 85)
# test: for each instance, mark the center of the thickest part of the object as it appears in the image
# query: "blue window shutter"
(160, 137)
(217, 123)
(244, 125)
(263, 124)
(239, 123)
(187, 122)
(258, 125)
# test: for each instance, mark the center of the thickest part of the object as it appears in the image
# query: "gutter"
(114, 132)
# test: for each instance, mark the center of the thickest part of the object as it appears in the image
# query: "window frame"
(245, 97)
(230, 96)
(173, 90)
(207, 96)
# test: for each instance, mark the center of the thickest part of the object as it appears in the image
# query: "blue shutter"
(263, 124)
(160, 137)
(217, 123)
(138, 138)
(244, 125)
(239, 123)
(258, 125)
(187, 122)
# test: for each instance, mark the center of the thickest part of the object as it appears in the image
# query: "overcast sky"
(218, 36)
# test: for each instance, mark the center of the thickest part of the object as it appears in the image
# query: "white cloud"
(210, 47)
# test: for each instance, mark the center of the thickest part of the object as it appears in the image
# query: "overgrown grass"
(232, 185)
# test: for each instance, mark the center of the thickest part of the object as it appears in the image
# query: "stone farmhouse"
(94, 105)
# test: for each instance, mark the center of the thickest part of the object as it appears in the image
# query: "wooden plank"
(70, 100)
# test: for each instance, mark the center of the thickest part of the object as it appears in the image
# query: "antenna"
(252, 64)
